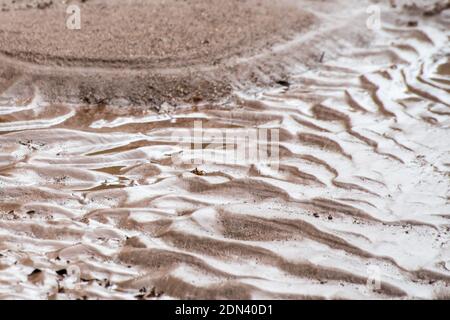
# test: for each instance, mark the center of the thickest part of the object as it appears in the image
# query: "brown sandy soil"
(143, 51)
(150, 52)
(157, 33)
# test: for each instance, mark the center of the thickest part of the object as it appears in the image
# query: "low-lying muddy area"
(326, 177)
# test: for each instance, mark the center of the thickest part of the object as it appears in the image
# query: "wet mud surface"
(93, 205)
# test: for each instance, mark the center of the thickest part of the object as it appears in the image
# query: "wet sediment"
(93, 203)
(145, 52)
